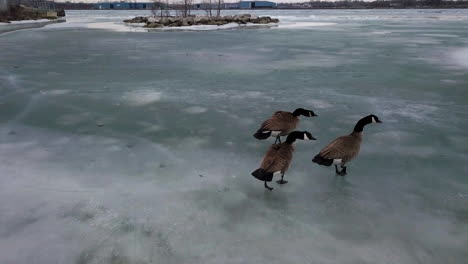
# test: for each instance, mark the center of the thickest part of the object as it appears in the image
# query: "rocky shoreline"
(20, 12)
(159, 22)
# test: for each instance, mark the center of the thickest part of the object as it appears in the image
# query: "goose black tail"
(322, 161)
(262, 134)
(263, 175)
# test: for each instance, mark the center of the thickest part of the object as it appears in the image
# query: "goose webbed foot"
(268, 187)
(342, 172)
(282, 181)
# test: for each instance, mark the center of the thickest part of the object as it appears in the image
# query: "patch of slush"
(195, 110)
(150, 127)
(441, 35)
(119, 27)
(381, 32)
(25, 22)
(301, 25)
(142, 97)
(447, 81)
(460, 57)
(74, 119)
(319, 104)
(55, 92)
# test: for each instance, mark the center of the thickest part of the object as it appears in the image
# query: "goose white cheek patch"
(373, 120)
(306, 137)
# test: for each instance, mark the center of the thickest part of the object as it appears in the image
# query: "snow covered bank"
(24, 24)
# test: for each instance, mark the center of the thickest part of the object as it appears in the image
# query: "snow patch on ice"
(26, 22)
(251, 94)
(142, 97)
(319, 104)
(441, 35)
(119, 27)
(382, 32)
(73, 119)
(448, 81)
(195, 110)
(150, 127)
(55, 92)
(305, 25)
(460, 57)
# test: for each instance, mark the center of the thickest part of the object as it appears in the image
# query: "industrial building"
(256, 4)
(123, 5)
(148, 5)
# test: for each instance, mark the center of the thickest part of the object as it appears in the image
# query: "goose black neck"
(291, 138)
(359, 127)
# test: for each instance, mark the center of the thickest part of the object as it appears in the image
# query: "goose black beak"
(378, 121)
(312, 138)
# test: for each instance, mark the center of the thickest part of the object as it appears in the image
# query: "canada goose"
(345, 148)
(281, 124)
(278, 158)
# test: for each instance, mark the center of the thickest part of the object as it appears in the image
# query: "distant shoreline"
(311, 8)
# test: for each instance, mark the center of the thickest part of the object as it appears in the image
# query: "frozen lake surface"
(119, 145)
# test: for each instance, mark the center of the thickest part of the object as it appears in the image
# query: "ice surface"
(119, 146)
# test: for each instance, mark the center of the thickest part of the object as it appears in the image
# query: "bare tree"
(168, 13)
(178, 7)
(208, 7)
(158, 7)
(188, 5)
(219, 4)
(183, 7)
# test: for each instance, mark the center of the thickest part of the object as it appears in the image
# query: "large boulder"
(203, 21)
(138, 19)
(184, 22)
(190, 20)
(153, 19)
(166, 21)
(61, 13)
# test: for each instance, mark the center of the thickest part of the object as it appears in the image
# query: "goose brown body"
(278, 158)
(344, 148)
(282, 121)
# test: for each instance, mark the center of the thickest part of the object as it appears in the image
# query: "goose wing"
(345, 148)
(276, 159)
(280, 121)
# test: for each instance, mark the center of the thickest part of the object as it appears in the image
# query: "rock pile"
(21, 12)
(158, 22)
